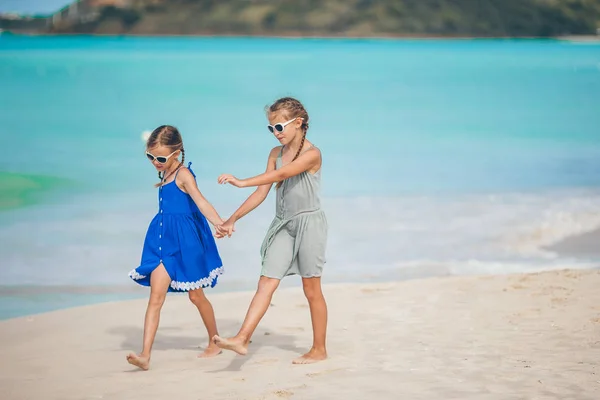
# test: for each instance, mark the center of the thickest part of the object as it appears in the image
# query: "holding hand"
(232, 180)
(225, 229)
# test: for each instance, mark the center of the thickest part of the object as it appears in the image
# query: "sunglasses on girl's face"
(160, 159)
(280, 127)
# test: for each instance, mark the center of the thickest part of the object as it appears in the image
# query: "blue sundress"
(180, 238)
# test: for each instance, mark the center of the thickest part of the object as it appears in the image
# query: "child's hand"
(225, 229)
(219, 232)
(232, 180)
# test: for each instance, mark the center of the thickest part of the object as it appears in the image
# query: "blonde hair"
(292, 108)
(168, 136)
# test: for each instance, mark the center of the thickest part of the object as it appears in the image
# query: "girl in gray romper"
(296, 240)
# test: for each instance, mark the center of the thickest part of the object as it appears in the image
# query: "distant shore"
(573, 38)
(323, 19)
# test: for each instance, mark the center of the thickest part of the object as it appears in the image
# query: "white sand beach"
(527, 336)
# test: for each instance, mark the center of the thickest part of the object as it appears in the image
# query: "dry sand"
(533, 336)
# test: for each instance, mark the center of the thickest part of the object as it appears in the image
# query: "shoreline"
(580, 246)
(537, 332)
(57, 298)
(292, 36)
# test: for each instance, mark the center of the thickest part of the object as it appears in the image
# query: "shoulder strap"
(281, 152)
(188, 167)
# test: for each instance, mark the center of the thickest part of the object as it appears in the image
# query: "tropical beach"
(492, 337)
(460, 180)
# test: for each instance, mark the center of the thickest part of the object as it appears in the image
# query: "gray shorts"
(295, 247)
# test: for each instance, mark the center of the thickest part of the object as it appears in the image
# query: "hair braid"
(292, 109)
(301, 146)
(168, 136)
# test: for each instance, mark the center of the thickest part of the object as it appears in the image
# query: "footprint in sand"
(525, 278)
(518, 286)
(572, 274)
(546, 290)
(303, 305)
(558, 300)
(284, 394)
(287, 393)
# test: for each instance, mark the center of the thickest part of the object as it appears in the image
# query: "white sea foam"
(378, 238)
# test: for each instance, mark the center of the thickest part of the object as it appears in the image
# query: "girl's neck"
(171, 170)
(295, 144)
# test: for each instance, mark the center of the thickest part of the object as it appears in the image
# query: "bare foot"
(139, 361)
(233, 344)
(311, 357)
(211, 351)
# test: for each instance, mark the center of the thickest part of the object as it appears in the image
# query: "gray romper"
(296, 240)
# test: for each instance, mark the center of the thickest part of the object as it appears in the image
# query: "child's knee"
(311, 294)
(267, 285)
(156, 301)
(311, 291)
(197, 296)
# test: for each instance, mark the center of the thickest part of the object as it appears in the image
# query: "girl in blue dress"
(180, 254)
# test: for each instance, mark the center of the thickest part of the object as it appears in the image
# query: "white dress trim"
(134, 275)
(204, 282)
(185, 286)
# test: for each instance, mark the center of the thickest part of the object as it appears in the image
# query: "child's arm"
(303, 163)
(189, 185)
(253, 201)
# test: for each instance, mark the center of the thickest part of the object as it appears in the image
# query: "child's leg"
(207, 313)
(318, 315)
(258, 307)
(159, 284)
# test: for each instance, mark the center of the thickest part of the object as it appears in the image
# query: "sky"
(32, 6)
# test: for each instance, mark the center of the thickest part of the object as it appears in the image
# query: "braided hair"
(168, 136)
(292, 109)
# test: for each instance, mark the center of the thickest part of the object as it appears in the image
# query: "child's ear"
(298, 122)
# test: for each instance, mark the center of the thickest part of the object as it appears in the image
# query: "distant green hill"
(502, 18)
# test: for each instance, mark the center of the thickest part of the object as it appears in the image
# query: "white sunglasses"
(280, 127)
(160, 159)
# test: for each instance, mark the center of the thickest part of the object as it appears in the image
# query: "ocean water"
(440, 157)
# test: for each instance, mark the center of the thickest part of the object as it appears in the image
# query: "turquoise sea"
(441, 157)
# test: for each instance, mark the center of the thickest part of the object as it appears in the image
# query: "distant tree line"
(363, 18)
